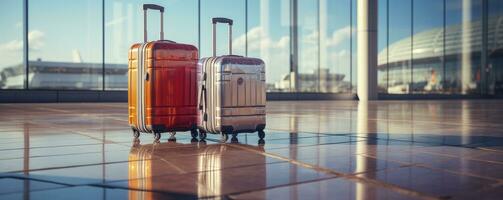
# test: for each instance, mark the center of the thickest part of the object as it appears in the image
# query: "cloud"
(275, 52)
(13, 45)
(259, 40)
(339, 36)
(35, 41)
(115, 21)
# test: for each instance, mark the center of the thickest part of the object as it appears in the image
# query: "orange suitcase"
(162, 90)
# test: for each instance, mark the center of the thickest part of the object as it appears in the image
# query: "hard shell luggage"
(231, 92)
(162, 90)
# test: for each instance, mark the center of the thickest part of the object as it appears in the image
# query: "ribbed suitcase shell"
(234, 100)
(163, 97)
(162, 82)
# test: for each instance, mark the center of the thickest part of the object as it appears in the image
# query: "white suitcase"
(232, 92)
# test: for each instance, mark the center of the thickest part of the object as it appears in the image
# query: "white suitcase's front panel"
(235, 95)
(243, 96)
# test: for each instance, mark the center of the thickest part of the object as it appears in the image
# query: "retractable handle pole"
(153, 7)
(214, 21)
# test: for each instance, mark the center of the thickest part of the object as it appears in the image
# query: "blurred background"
(449, 47)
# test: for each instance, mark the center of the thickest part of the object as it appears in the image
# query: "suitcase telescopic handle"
(153, 7)
(214, 21)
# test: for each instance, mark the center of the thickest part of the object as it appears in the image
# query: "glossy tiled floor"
(312, 150)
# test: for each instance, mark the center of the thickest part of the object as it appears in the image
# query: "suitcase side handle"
(214, 21)
(153, 7)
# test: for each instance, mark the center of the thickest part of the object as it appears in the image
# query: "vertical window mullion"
(351, 45)
(387, 46)
(411, 81)
(318, 45)
(25, 45)
(103, 45)
(444, 82)
(246, 28)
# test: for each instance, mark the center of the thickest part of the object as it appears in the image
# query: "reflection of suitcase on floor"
(231, 92)
(209, 161)
(140, 168)
(162, 91)
(217, 159)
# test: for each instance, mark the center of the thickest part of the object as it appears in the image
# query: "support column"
(367, 49)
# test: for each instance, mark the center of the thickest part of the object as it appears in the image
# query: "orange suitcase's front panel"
(170, 86)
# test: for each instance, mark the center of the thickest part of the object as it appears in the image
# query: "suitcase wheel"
(157, 136)
(202, 135)
(193, 133)
(261, 134)
(234, 139)
(261, 142)
(224, 138)
(172, 136)
(136, 134)
(136, 142)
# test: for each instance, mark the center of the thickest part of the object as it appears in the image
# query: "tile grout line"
(439, 169)
(398, 140)
(346, 176)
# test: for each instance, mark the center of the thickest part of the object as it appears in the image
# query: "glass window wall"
(382, 43)
(124, 27)
(335, 46)
(65, 44)
(399, 48)
(12, 68)
(463, 40)
(232, 9)
(308, 79)
(427, 46)
(495, 47)
(268, 38)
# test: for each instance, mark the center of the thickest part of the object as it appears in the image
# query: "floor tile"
(436, 183)
(15, 185)
(337, 188)
(220, 182)
(312, 150)
(89, 192)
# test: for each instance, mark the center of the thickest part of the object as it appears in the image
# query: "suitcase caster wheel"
(234, 139)
(261, 142)
(261, 135)
(157, 136)
(172, 136)
(224, 138)
(136, 134)
(136, 142)
(202, 135)
(194, 134)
